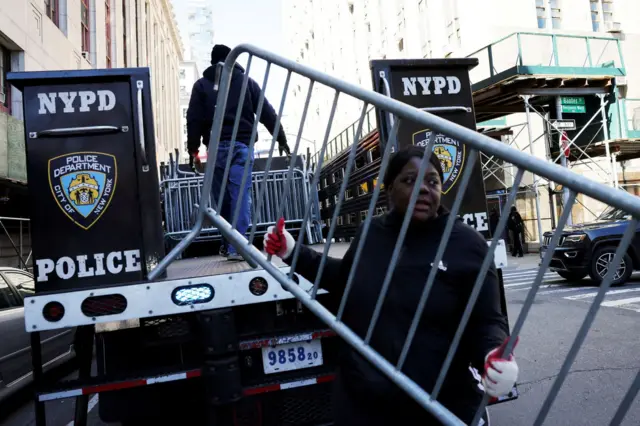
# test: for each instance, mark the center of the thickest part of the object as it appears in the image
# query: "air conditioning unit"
(3, 98)
(613, 27)
(85, 55)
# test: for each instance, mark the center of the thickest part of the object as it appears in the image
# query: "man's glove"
(500, 374)
(284, 147)
(278, 241)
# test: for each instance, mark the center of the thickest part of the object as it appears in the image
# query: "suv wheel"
(572, 276)
(600, 265)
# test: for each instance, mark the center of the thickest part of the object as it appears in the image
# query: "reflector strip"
(289, 385)
(281, 340)
(87, 390)
(51, 396)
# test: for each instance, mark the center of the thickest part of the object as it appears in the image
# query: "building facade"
(340, 37)
(189, 74)
(83, 34)
(195, 23)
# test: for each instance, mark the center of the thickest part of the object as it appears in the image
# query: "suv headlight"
(574, 239)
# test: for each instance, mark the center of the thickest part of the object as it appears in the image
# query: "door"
(15, 357)
(55, 343)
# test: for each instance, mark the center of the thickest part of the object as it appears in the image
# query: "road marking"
(92, 404)
(609, 293)
(548, 276)
(618, 303)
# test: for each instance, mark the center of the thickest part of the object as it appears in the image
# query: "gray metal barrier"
(474, 142)
(181, 192)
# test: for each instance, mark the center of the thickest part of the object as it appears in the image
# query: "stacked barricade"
(181, 192)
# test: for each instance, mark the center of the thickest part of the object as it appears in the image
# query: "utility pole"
(563, 158)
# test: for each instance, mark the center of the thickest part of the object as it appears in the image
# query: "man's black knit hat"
(219, 53)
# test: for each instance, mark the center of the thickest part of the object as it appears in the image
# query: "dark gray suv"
(15, 352)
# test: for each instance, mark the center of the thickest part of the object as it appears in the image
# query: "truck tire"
(600, 260)
(572, 276)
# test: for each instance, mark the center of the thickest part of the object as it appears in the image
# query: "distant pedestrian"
(516, 226)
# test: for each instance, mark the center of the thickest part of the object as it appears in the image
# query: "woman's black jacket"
(466, 249)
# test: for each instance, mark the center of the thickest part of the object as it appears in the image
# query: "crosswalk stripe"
(549, 275)
(562, 290)
(519, 273)
(620, 302)
(609, 293)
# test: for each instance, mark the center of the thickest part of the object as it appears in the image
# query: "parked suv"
(587, 249)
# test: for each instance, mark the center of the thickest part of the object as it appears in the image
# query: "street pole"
(535, 181)
(563, 158)
(605, 130)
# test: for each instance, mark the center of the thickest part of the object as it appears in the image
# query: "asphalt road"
(598, 380)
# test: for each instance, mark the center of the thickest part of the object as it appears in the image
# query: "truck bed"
(218, 265)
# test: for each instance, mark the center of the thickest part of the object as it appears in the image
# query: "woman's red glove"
(278, 241)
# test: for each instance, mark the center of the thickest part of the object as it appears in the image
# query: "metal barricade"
(475, 143)
(181, 192)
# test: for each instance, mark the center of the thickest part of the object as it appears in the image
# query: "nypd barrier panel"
(90, 158)
(443, 88)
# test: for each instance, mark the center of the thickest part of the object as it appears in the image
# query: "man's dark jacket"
(486, 329)
(202, 107)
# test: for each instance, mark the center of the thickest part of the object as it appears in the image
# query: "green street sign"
(574, 109)
(572, 100)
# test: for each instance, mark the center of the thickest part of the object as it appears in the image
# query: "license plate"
(292, 356)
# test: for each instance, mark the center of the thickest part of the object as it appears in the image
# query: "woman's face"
(428, 200)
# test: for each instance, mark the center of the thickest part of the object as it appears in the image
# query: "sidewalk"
(529, 261)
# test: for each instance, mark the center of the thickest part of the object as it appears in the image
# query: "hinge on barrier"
(299, 304)
(279, 309)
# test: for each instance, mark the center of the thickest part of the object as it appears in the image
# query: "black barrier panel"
(93, 186)
(441, 87)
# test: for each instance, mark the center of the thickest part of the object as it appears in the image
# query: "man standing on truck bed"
(199, 121)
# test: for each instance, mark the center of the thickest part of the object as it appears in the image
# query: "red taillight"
(53, 311)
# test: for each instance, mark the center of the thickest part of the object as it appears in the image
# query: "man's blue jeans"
(232, 189)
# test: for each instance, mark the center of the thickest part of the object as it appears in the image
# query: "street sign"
(564, 124)
(573, 105)
(574, 109)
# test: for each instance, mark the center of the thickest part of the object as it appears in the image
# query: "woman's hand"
(278, 241)
(500, 374)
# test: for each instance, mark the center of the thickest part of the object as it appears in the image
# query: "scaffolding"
(571, 91)
(530, 74)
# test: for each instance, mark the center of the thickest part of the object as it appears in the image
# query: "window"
(22, 282)
(135, 19)
(541, 12)
(7, 298)
(84, 25)
(601, 14)
(5, 88)
(51, 10)
(107, 23)
(554, 5)
(125, 31)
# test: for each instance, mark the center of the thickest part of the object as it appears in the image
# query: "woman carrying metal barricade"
(363, 395)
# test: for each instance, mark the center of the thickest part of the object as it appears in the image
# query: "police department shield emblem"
(450, 152)
(83, 184)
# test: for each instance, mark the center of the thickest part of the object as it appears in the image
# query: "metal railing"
(546, 50)
(475, 143)
(632, 109)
